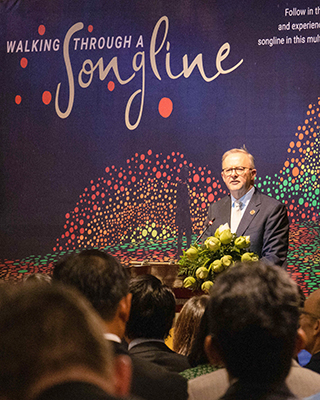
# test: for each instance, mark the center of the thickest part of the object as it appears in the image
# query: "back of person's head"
(253, 320)
(41, 279)
(152, 308)
(188, 323)
(99, 276)
(47, 330)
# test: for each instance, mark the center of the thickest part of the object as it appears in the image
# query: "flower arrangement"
(201, 263)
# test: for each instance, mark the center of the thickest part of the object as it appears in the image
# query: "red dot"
(90, 28)
(111, 86)
(18, 99)
(158, 175)
(165, 107)
(23, 62)
(41, 30)
(196, 178)
(46, 97)
(210, 197)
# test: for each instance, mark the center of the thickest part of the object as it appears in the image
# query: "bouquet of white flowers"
(201, 263)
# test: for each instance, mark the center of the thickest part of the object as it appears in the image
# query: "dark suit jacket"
(265, 220)
(314, 363)
(153, 382)
(160, 354)
(75, 390)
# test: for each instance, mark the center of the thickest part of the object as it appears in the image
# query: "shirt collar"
(112, 337)
(244, 199)
(135, 342)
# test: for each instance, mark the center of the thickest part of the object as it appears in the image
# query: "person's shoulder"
(268, 200)
(220, 201)
(209, 386)
(220, 375)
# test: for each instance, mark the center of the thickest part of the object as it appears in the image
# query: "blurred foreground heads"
(253, 318)
(104, 281)
(52, 344)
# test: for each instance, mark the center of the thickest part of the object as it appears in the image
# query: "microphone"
(205, 230)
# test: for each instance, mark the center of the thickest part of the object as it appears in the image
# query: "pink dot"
(111, 86)
(90, 28)
(165, 107)
(18, 99)
(41, 30)
(23, 62)
(46, 97)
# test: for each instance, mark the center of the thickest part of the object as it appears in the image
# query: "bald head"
(310, 322)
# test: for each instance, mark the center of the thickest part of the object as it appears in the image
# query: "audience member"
(151, 317)
(310, 323)
(52, 342)
(253, 318)
(105, 283)
(198, 359)
(187, 324)
(257, 309)
(37, 278)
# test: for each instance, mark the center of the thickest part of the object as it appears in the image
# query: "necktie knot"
(238, 205)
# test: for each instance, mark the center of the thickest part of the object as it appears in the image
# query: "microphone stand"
(205, 230)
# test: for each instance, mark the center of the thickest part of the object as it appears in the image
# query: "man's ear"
(212, 352)
(122, 372)
(301, 341)
(124, 307)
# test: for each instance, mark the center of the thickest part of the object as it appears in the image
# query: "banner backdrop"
(115, 115)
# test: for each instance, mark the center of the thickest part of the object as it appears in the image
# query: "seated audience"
(300, 381)
(105, 283)
(187, 324)
(253, 317)
(52, 346)
(198, 359)
(151, 317)
(310, 323)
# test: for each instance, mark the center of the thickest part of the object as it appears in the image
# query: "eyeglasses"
(238, 170)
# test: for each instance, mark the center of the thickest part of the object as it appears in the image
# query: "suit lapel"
(249, 215)
(225, 212)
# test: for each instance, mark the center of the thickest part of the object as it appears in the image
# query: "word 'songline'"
(87, 70)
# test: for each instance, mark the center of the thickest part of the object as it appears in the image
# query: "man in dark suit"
(253, 314)
(249, 212)
(105, 283)
(151, 317)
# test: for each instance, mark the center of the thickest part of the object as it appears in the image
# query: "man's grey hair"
(243, 150)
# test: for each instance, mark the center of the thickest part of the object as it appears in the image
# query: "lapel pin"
(252, 212)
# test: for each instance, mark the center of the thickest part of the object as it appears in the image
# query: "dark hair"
(187, 325)
(253, 320)
(99, 276)
(47, 329)
(197, 354)
(152, 308)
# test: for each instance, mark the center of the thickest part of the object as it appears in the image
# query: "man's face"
(309, 322)
(238, 184)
